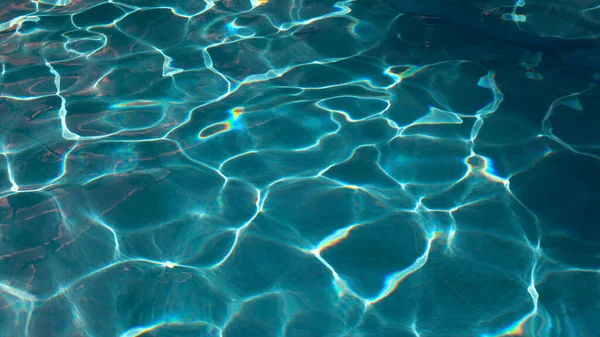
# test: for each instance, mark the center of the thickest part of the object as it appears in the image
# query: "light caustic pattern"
(290, 168)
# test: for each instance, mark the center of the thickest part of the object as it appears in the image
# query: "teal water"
(299, 168)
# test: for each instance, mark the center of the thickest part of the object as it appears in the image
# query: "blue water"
(299, 168)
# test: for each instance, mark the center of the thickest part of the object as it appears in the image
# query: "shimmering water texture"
(299, 168)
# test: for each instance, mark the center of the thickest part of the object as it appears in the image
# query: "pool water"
(299, 168)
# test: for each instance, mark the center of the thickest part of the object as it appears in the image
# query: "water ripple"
(299, 168)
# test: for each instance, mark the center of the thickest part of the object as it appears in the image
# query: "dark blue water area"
(299, 168)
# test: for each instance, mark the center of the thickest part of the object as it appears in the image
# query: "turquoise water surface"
(299, 168)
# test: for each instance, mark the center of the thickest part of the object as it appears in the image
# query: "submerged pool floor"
(299, 168)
